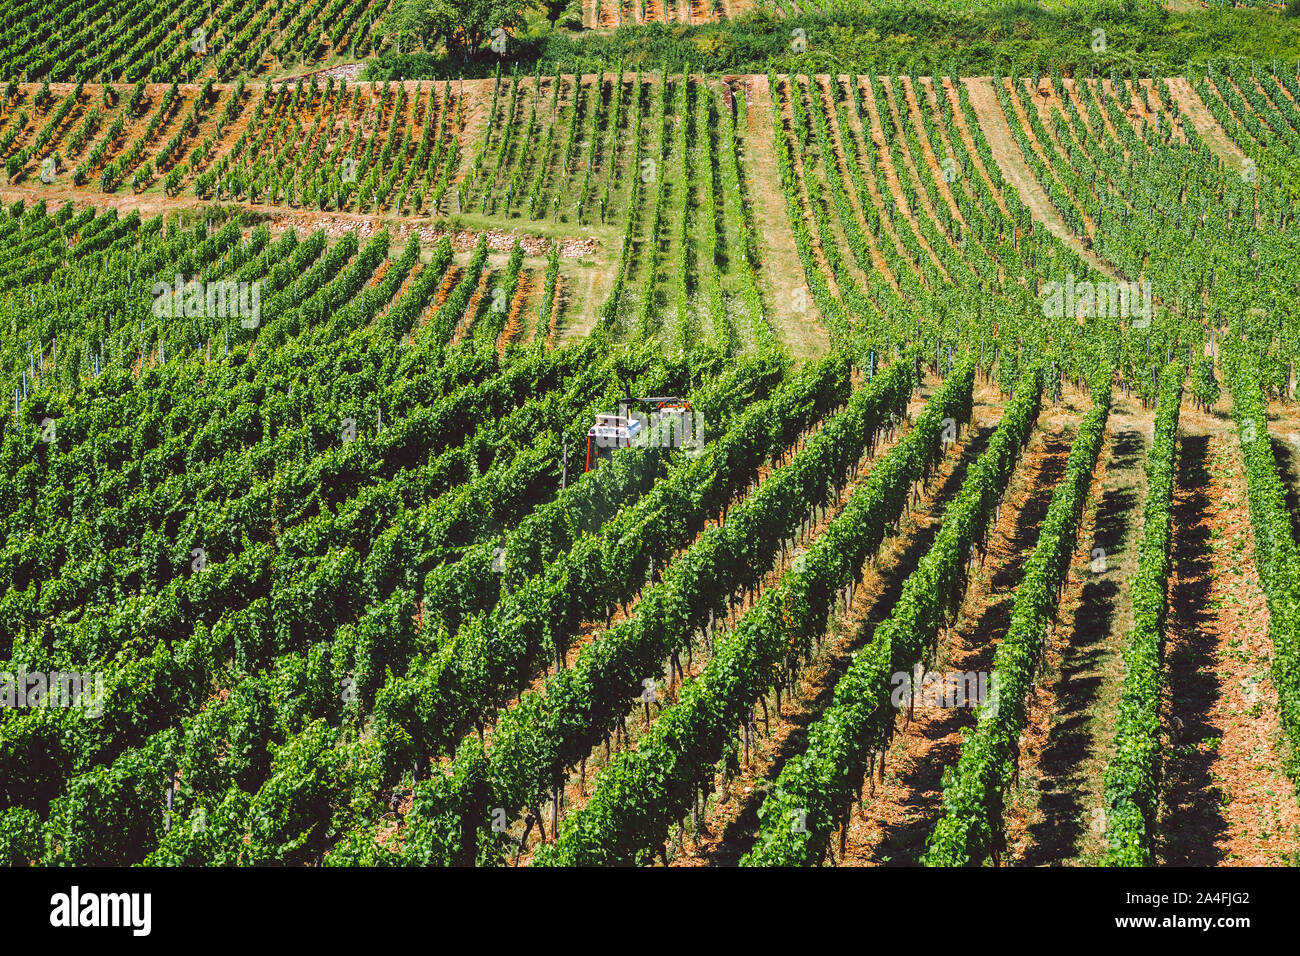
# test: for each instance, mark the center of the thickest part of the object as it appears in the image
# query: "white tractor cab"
(633, 424)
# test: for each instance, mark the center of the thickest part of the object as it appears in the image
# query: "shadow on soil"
(1069, 743)
(1194, 820)
(1288, 467)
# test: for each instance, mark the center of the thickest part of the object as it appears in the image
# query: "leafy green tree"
(412, 23)
(554, 8)
(464, 25)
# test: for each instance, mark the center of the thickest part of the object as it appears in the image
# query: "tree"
(467, 24)
(554, 8)
(412, 21)
(463, 24)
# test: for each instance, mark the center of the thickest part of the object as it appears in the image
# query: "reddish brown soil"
(821, 91)
(1015, 170)
(515, 327)
(892, 826)
(898, 211)
(1050, 817)
(1205, 123)
(1227, 799)
(963, 130)
(896, 99)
